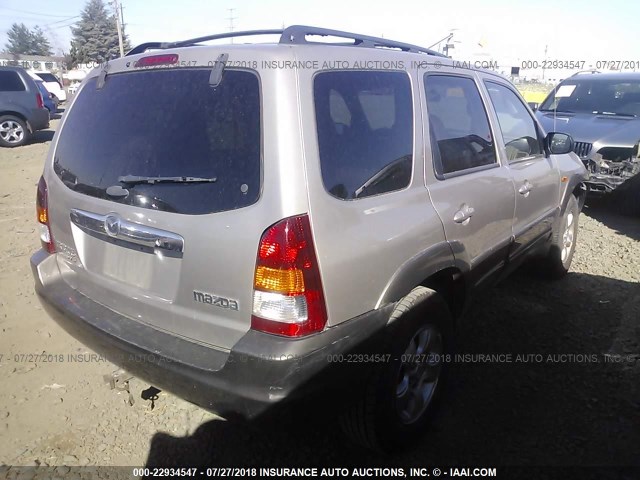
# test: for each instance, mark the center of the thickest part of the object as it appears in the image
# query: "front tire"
(563, 243)
(402, 394)
(13, 131)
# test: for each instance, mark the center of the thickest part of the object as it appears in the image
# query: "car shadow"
(540, 382)
(42, 136)
(604, 211)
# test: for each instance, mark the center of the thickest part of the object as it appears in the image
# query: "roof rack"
(592, 70)
(294, 35)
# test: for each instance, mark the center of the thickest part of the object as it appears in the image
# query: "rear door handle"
(464, 214)
(525, 188)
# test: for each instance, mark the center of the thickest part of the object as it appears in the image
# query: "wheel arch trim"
(416, 270)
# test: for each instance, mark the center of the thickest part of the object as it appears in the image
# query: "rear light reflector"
(42, 216)
(288, 298)
(156, 60)
(39, 100)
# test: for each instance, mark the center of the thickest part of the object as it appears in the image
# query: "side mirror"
(533, 105)
(559, 143)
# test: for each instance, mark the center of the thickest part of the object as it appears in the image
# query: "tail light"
(39, 100)
(287, 297)
(42, 212)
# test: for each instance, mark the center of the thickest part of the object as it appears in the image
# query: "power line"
(62, 26)
(61, 21)
(34, 13)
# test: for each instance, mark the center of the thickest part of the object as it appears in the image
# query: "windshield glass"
(165, 123)
(595, 95)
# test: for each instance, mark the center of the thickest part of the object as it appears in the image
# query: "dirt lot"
(549, 410)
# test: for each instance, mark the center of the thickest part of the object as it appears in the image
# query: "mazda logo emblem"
(112, 225)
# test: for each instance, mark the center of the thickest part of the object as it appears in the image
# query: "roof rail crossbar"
(193, 41)
(294, 35)
(591, 70)
(246, 33)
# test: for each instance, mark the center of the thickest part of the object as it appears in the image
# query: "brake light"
(42, 214)
(288, 298)
(39, 100)
(155, 60)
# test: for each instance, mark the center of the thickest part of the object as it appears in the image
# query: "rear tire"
(557, 262)
(402, 394)
(13, 131)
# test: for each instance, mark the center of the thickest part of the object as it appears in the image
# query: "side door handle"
(525, 188)
(464, 215)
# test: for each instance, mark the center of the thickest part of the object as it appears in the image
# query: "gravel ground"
(549, 410)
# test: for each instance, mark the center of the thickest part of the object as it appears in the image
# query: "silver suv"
(251, 224)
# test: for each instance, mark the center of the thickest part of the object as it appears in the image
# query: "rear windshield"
(167, 123)
(48, 77)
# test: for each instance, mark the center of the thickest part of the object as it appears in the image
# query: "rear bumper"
(39, 119)
(259, 373)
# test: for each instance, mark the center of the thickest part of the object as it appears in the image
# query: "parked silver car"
(601, 111)
(248, 225)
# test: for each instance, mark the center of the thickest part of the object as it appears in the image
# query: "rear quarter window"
(166, 123)
(365, 132)
(11, 82)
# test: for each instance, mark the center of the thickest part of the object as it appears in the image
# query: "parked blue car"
(50, 102)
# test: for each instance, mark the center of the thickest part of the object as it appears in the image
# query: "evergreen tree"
(41, 45)
(95, 36)
(23, 41)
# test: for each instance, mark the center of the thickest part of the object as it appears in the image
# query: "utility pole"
(545, 57)
(231, 18)
(119, 25)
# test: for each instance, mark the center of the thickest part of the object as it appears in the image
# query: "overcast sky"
(510, 31)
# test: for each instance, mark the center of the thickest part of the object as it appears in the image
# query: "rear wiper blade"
(615, 114)
(137, 179)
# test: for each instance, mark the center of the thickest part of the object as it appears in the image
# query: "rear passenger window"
(365, 132)
(11, 82)
(460, 134)
(518, 128)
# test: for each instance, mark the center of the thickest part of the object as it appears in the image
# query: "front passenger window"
(518, 128)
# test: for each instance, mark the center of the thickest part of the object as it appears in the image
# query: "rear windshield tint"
(166, 123)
